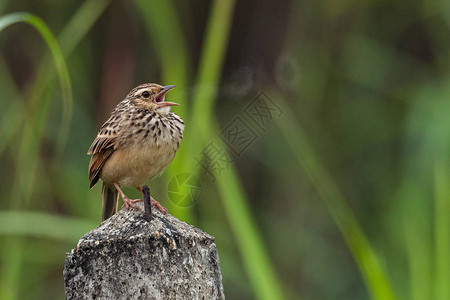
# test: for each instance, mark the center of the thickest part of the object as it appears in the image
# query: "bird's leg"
(127, 202)
(155, 203)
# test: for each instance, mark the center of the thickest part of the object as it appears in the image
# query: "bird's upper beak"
(160, 97)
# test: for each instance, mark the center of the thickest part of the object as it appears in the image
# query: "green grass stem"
(33, 128)
(442, 231)
(44, 225)
(172, 49)
(63, 73)
(255, 258)
(367, 260)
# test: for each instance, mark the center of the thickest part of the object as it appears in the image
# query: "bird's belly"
(133, 166)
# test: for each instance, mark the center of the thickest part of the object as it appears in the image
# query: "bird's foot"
(161, 208)
(127, 203)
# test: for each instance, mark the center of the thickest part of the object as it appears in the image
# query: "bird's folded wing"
(102, 143)
(101, 149)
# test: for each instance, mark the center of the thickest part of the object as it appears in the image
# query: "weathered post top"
(127, 257)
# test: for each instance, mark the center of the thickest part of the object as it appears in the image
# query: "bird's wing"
(102, 143)
(101, 149)
(96, 164)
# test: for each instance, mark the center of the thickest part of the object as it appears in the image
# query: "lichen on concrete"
(127, 257)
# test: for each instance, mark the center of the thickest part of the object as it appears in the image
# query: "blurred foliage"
(341, 194)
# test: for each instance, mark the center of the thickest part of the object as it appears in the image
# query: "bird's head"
(152, 96)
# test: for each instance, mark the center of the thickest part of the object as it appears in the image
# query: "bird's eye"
(145, 94)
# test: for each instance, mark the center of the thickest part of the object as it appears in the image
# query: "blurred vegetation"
(342, 195)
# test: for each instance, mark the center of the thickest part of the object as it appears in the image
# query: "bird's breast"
(145, 153)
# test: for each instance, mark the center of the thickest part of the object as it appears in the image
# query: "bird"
(137, 143)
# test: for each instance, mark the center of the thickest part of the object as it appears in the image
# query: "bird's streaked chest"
(146, 151)
(157, 130)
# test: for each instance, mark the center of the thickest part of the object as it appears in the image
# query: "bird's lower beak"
(163, 104)
(162, 95)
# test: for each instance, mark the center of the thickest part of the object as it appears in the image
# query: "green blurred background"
(342, 193)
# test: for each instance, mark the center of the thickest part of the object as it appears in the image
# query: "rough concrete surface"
(127, 257)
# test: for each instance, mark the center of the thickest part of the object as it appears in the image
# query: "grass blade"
(211, 62)
(28, 150)
(43, 225)
(30, 139)
(175, 63)
(265, 284)
(442, 232)
(250, 244)
(368, 262)
(71, 35)
(46, 34)
(10, 117)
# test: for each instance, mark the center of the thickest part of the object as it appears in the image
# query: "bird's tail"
(110, 200)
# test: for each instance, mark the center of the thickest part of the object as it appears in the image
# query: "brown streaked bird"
(136, 143)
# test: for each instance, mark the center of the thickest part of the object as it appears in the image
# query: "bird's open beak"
(161, 96)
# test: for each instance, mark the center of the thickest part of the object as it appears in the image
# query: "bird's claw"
(161, 208)
(127, 203)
